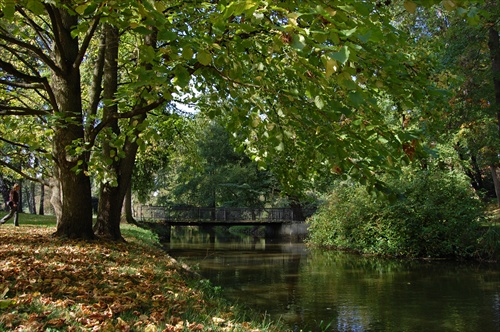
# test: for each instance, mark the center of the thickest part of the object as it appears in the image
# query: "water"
(314, 290)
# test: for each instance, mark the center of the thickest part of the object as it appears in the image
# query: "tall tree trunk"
(4, 190)
(31, 198)
(96, 89)
(21, 203)
(75, 219)
(108, 217)
(41, 210)
(494, 45)
(127, 207)
(112, 195)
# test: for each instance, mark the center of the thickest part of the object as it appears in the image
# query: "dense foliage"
(306, 88)
(434, 214)
(204, 169)
(299, 81)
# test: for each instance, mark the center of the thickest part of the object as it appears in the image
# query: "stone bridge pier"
(288, 231)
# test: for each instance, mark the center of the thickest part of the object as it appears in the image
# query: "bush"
(435, 214)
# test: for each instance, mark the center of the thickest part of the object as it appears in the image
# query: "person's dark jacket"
(13, 198)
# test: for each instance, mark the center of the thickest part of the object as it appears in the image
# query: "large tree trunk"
(75, 219)
(108, 217)
(112, 195)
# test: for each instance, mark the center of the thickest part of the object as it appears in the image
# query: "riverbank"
(50, 284)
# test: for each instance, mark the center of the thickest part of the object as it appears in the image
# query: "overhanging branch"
(23, 174)
(12, 110)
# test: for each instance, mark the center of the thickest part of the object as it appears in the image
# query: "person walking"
(13, 204)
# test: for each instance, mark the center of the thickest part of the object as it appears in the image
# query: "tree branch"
(229, 79)
(38, 29)
(35, 50)
(22, 85)
(135, 112)
(11, 110)
(86, 41)
(9, 68)
(19, 56)
(24, 146)
(23, 174)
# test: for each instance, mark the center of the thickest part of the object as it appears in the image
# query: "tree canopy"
(305, 85)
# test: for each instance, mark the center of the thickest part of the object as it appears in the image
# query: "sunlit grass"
(34, 219)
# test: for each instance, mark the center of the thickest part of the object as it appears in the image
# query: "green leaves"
(36, 7)
(8, 9)
(239, 7)
(204, 57)
(318, 101)
(86, 8)
(410, 6)
(341, 56)
(166, 35)
(320, 72)
(299, 42)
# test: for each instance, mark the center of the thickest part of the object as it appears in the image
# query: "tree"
(320, 114)
(470, 65)
(207, 171)
(59, 51)
(300, 76)
(38, 38)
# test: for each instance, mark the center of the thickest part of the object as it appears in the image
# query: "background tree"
(207, 171)
(152, 163)
(470, 60)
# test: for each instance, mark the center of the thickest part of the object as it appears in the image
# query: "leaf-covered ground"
(47, 284)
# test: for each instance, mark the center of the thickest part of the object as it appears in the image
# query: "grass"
(49, 284)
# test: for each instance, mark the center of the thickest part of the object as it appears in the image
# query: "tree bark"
(127, 214)
(108, 217)
(96, 89)
(496, 182)
(75, 214)
(41, 210)
(112, 195)
(31, 198)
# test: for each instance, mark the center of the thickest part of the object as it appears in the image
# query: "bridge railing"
(218, 214)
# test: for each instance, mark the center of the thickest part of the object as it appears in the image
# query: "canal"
(316, 290)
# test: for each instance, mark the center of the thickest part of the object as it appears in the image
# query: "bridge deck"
(220, 216)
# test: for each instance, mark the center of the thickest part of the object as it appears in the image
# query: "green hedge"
(435, 214)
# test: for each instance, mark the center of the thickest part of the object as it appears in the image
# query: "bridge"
(273, 219)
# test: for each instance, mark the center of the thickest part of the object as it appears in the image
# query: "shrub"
(435, 214)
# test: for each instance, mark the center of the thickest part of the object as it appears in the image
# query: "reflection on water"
(313, 290)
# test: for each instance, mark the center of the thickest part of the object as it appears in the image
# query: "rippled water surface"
(313, 290)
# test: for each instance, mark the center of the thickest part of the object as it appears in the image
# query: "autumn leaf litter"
(51, 284)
